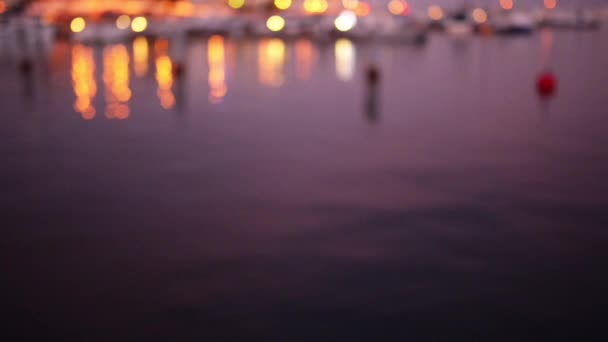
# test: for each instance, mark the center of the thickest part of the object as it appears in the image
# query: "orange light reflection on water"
(271, 59)
(83, 80)
(116, 80)
(141, 54)
(217, 69)
(164, 78)
(306, 56)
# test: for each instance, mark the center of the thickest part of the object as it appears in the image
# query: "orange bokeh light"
(83, 80)
(217, 69)
(506, 4)
(550, 4)
(363, 9)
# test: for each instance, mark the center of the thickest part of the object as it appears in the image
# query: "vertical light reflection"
(83, 81)
(345, 59)
(141, 54)
(306, 57)
(116, 81)
(271, 59)
(546, 42)
(217, 69)
(164, 78)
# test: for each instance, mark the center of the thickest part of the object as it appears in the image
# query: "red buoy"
(546, 84)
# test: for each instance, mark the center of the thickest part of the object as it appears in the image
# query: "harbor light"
(139, 24)
(282, 4)
(506, 5)
(399, 7)
(236, 4)
(123, 22)
(363, 9)
(78, 24)
(315, 6)
(345, 21)
(480, 16)
(275, 23)
(435, 13)
(350, 4)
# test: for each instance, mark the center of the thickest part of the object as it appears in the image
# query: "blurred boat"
(514, 23)
(577, 20)
(459, 24)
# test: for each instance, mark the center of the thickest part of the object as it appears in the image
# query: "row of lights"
(123, 22)
(396, 7)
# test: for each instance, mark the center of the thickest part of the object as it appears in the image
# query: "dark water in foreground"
(465, 208)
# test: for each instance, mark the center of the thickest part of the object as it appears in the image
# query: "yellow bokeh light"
(164, 78)
(480, 16)
(236, 4)
(550, 4)
(217, 69)
(506, 4)
(78, 24)
(83, 81)
(139, 24)
(345, 21)
(397, 7)
(435, 13)
(350, 4)
(141, 53)
(282, 4)
(315, 6)
(123, 22)
(275, 23)
(183, 9)
(116, 81)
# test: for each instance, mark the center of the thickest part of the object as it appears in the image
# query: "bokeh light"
(506, 4)
(282, 4)
(275, 23)
(398, 7)
(345, 21)
(480, 16)
(3, 7)
(78, 24)
(236, 4)
(435, 13)
(550, 4)
(315, 6)
(350, 4)
(363, 9)
(123, 22)
(139, 24)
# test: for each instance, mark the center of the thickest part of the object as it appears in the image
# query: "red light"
(546, 84)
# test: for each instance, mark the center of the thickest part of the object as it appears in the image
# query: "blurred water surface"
(266, 193)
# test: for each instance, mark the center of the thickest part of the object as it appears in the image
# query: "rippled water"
(268, 194)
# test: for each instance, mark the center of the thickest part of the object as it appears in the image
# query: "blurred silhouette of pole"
(25, 65)
(372, 80)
